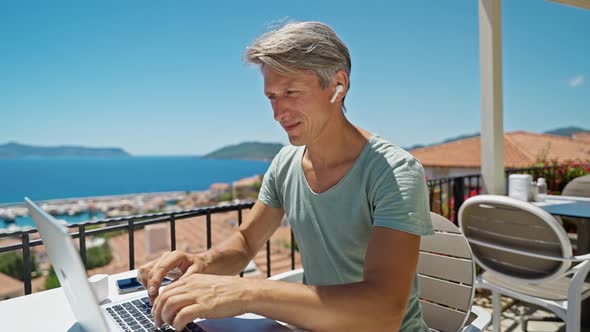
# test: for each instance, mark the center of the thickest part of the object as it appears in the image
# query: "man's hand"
(151, 274)
(200, 296)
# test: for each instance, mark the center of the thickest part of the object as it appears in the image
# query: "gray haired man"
(356, 203)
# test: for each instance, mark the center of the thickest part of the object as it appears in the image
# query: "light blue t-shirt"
(385, 187)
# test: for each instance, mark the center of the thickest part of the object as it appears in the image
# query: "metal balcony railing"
(446, 195)
(130, 224)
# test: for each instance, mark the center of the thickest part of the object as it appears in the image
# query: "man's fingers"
(191, 269)
(160, 302)
(142, 275)
(164, 265)
(174, 304)
(186, 315)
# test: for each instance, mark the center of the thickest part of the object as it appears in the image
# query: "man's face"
(299, 104)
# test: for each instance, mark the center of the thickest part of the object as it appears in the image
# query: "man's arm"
(229, 258)
(377, 303)
(234, 253)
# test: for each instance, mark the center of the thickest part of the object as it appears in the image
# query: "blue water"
(28, 221)
(53, 178)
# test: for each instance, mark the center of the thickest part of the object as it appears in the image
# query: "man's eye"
(290, 92)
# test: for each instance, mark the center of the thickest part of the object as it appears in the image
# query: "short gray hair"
(294, 46)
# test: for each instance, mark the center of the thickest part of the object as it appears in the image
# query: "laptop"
(133, 314)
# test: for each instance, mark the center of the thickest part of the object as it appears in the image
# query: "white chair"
(526, 255)
(579, 187)
(446, 275)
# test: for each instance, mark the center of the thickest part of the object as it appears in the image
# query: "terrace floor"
(513, 313)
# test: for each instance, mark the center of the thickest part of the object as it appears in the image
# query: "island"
(246, 151)
(17, 150)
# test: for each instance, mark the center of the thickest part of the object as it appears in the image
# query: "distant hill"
(448, 140)
(246, 151)
(17, 150)
(565, 131)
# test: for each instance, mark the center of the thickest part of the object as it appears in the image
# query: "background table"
(572, 207)
(578, 208)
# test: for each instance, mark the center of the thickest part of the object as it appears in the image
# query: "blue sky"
(167, 78)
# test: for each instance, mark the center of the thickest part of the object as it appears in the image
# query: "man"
(356, 203)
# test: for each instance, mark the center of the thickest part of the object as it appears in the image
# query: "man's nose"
(279, 109)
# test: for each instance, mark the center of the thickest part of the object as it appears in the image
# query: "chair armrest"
(290, 276)
(581, 258)
(481, 322)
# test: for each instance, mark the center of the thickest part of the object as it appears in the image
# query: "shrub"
(11, 263)
(558, 174)
(98, 256)
(228, 196)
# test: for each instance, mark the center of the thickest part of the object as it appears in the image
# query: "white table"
(50, 310)
(573, 207)
(578, 208)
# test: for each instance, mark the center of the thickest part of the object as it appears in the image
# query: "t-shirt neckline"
(346, 175)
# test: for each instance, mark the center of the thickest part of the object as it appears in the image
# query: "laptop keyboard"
(136, 315)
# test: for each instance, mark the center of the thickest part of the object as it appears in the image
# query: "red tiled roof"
(582, 136)
(521, 149)
(219, 186)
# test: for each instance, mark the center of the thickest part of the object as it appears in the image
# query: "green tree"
(11, 263)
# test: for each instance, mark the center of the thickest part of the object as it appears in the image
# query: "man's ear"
(341, 78)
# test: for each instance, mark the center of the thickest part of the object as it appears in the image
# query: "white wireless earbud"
(339, 88)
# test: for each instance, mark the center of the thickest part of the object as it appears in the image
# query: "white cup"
(100, 286)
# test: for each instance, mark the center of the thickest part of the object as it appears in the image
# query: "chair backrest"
(579, 187)
(515, 239)
(446, 274)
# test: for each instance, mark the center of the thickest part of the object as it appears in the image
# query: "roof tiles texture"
(521, 149)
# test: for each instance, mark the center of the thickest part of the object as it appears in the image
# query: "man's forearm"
(232, 255)
(358, 306)
(228, 258)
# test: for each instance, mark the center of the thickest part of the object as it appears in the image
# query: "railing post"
(459, 195)
(239, 224)
(477, 184)
(131, 245)
(82, 242)
(440, 197)
(27, 262)
(430, 196)
(172, 232)
(449, 184)
(208, 229)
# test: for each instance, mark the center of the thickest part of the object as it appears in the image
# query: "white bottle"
(541, 189)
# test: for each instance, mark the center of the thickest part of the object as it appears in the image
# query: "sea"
(60, 178)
